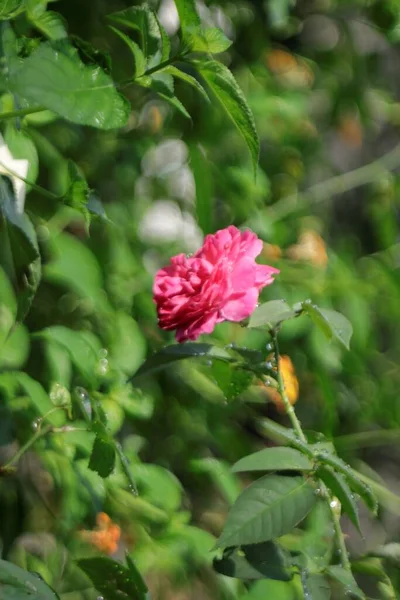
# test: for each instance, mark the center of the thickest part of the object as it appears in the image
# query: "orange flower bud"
(105, 536)
(290, 382)
(310, 248)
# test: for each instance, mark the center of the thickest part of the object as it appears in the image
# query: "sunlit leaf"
(271, 314)
(40, 399)
(51, 24)
(225, 88)
(80, 93)
(210, 41)
(332, 323)
(138, 56)
(188, 15)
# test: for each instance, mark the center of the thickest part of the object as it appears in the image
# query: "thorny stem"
(334, 504)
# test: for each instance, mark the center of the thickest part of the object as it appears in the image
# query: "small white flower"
(14, 169)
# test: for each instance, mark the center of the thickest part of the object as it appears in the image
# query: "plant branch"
(34, 186)
(12, 114)
(334, 504)
(39, 434)
(336, 185)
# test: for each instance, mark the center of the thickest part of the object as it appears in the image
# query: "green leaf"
(113, 580)
(10, 8)
(315, 586)
(270, 314)
(163, 84)
(155, 41)
(40, 399)
(8, 307)
(175, 72)
(18, 584)
(224, 86)
(232, 381)
(22, 147)
(78, 192)
(81, 352)
(272, 590)
(127, 346)
(51, 24)
(332, 323)
(267, 509)
(169, 354)
(204, 181)
(188, 16)
(61, 82)
(210, 41)
(274, 459)
(355, 483)
(258, 561)
(102, 458)
(346, 579)
(138, 56)
(15, 351)
(159, 486)
(221, 476)
(338, 486)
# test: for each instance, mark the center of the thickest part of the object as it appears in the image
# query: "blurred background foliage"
(321, 77)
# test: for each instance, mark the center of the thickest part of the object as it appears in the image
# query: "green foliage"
(17, 584)
(114, 580)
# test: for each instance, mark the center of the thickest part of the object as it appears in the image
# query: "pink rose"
(221, 282)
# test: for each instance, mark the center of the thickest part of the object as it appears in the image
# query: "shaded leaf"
(61, 82)
(77, 195)
(50, 23)
(269, 508)
(8, 307)
(175, 72)
(163, 84)
(169, 354)
(113, 580)
(40, 399)
(338, 486)
(274, 459)
(102, 458)
(258, 561)
(315, 586)
(221, 475)
(224, 86)
(138, 56)
(18, 584)
(346, 579)
(332, 323)
(271, 314)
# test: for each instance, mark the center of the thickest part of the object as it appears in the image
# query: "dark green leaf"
(346, 579)
(274, 459)
(338, 486)
(175, 72)
(269, 508)
(51, 24)
(225, 88)
(231, 381)
(113, 580)
(18, 584)
(204, 181)
(210, 41)
(169, 354)
(102, 458)
(271, 314)
(163, 84)
(155, 41)
(138, 56)
(78, 192)
(61, 82)
(332, 323)
(257, 561)
(355, 483)
(188, 16)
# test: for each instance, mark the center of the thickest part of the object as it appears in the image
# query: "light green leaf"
(40, 399)
(188, 16)
(113, 580)
(274, 459)
(61, 82)
(221, 476)
(204, 181)
(267, 509)
(77, 195)
(15, 350)
(51, 24)
(339, 488)
(169, 354)
(332, 323)
(10, 8)
(210, 41)
(18, 584)
(270, 314)
(272, 590)
(127, 347)
(159, 486)
(258, 561)
(138, 56)
(315, 586)
(8, 307)
(163, 84)
(22, 147)
(175, 72)
(347, 581)
(224, 86)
